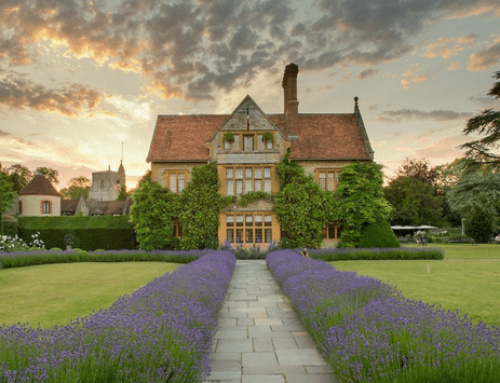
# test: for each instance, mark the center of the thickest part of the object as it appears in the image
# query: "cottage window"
(250, 141)
(241, 180)
(177, 229)
(46, 207)
(328, 179)
(20, 207)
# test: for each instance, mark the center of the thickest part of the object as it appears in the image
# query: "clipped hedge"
(44, 257)
(89, 233)
(402, 253)
(9, 226)
(378, 234)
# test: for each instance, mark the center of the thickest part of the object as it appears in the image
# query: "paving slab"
(259, 337)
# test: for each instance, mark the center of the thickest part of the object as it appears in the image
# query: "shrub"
(399, 253)
(162, 332)
(10, 226)
(479, 226)
(378, 234)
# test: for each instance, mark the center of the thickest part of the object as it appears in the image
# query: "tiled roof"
(182, 138)
(39, 185)
(69, 205)
(329, 137)
(107, 207)
(321, 137)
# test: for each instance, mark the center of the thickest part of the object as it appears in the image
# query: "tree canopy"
(485, 150)
(77, 187)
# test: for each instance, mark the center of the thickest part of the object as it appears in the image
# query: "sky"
(79, 77)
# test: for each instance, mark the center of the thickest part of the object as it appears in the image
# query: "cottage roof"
(108, 207)
(69, 205)
(39, 185)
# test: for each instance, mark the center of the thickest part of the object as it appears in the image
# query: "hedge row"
(87, 233)
(400, 253)
(31, 258)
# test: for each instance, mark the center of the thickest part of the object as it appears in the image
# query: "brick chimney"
(290, 96)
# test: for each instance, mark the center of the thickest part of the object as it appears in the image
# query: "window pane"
(269, 235)
(239, 186)
(248, 186)
(260, 143)
(331, 231)
(236, 143)
(331, 181)
(230, 221)
(180, 183)
(239, 235)
(267, 173)
(227, 145)
(230, 235)
(258, 185)
(258, 220)
(248, 220)
(248, 143)
(267, 186)
(258, 235)
(239, 173)
(229, 172)
(267, 220)
(269, 145)
(239, 220)
(173, 183)
(258, 172)
(229, 187)
(248, 173)
(248, 235)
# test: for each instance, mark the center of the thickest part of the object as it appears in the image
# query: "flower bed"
(368, 332)
(41, 257)
(161, 333)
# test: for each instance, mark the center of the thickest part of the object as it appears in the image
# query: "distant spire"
(122, 153)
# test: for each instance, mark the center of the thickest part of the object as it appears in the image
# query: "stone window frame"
(248, 182)
(332, 230)
(247, 229)
(176, 173)
(327, 172)
(43, 205)
(258, 145)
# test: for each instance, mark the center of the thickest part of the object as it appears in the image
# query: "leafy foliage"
(485, 150)
(415, 202)
(480, 226)
(378, 234)
(20, 175)
(7, 193)
(77, 187)
(300, 206)
(361, 200)
(418, 169)
(153, 214)
(49, 173)
(201, 204)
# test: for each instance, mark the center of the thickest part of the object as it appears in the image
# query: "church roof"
(39, 185)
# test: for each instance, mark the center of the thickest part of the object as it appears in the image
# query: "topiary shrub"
(378, 234)
(480, 226)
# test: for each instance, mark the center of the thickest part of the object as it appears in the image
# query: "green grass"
(56, 294)
(460, 282)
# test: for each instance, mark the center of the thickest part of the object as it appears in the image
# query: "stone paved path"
(259, 338)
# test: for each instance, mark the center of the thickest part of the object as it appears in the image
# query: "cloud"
(193, 49)
(485, 59)
(441, 47)
(20, 93)
(412, 114)
(365, 73)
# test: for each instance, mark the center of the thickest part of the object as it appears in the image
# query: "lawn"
(56, 294)
(467, 280)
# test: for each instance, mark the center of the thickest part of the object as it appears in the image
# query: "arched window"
(46, 207)
(102, 184)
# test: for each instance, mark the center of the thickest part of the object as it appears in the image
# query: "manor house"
(246, 146)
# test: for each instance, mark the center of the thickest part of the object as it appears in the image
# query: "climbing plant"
(153, 213)
(201, 204)
(361, 200)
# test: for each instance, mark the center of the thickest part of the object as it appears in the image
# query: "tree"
(20, 176)
(49, 173)
(153, 214)
(485, 150)
(77, 187)
(419, 169)
(415, 202)
(7, 196)
(361, 201)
